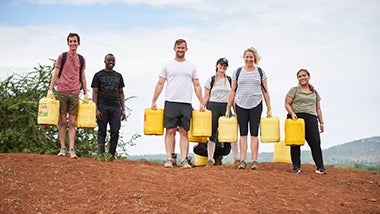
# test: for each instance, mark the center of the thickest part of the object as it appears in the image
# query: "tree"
(19, 132)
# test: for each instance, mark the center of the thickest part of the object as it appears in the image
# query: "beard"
(180, 54)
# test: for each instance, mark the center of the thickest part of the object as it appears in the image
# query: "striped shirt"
(248, 93)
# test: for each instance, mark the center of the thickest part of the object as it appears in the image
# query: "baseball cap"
(222, 61)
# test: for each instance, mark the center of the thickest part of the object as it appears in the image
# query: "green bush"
(19, 132)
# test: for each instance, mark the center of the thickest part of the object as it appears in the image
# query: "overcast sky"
(338, 41)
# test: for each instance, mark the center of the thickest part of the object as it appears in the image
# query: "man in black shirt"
(108, 95)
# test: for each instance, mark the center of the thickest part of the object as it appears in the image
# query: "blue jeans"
(110, 115)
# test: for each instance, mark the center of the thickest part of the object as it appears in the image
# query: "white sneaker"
(185, 164)
(62, 152)
(72, 154)
(168, 163)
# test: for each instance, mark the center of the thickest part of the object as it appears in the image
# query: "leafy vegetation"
(19, 132)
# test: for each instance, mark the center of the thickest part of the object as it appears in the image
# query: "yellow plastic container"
(195, 139)
(200, 160)
(270, 130)
(228, 129)
(86, 117)
(48, 111)
(202, 123)
(154, 121)
(294, 132)
(281, 153)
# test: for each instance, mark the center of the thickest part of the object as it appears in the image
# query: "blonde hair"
(255, 53)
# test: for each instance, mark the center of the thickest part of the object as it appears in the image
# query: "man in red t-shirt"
(68, 90)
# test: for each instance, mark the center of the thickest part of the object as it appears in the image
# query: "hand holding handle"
(86, 99)
(227, 111)
(50, 94)
(269, 112)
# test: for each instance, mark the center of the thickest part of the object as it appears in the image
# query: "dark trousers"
(110, 115)
(312, 137)
(217, 110)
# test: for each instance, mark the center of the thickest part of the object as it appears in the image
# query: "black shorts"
(251, 117)
(177, 115)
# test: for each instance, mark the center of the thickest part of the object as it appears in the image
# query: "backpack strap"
(261, 78)
(229, 80)
(63, 60)
(81, 63)
(237, 76)
(212, 82)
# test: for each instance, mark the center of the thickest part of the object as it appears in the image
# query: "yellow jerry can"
(270, 130)
(86, 117)
(281, 153)
(228, 129)
(202, 123)
(195, 139)
(48, 111)
(200, 160)
(154, 121)
(294, 132)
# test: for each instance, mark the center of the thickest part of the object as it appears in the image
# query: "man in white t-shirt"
(181, 76)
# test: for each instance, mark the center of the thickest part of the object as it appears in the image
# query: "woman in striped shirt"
(249, 87)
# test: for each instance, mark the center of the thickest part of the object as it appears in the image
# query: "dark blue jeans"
(110, 115)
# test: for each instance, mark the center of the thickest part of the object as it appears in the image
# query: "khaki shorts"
(68, 103)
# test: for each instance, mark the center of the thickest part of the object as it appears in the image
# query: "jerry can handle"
(50, 95)
(269, 112)
(227, 111)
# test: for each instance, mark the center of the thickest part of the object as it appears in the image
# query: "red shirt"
(69, 80)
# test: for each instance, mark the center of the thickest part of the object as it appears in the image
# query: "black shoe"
(321, 171)
(112, 159)
(174, 159)
(296, 170)
(188, 158)
(101, 149)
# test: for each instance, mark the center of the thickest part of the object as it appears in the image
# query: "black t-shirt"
(108, 84)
